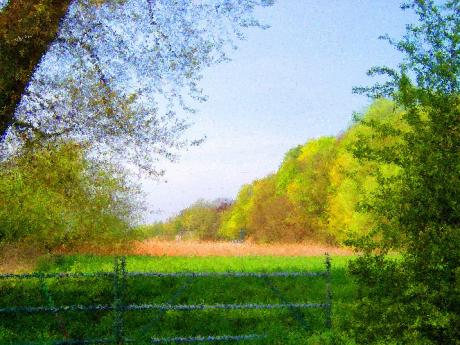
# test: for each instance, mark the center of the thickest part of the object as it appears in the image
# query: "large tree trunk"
(27, 28)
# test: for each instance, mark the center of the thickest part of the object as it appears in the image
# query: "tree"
(53, 195)
(290, 205)
(418, 293)
(272, 215)
(201, 220)
(27, 28)
(308, 189)
(353, 181)
(111, 72)
(236, 217)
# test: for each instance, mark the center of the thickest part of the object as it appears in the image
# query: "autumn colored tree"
(289, 205)
(308, 189)
(271, 216)
(201, 220)
(320, 191)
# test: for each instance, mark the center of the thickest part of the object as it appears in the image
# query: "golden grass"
(20, 257)
(23, 257)
(199, 248)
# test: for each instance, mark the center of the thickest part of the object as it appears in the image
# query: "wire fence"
(119, 307)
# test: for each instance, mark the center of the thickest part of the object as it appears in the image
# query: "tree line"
(313, 196)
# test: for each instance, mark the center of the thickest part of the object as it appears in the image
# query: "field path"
(199, 248)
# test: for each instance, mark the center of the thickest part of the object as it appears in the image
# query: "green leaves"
(55, 196)
(321, 191)
(112, 73)
(416, 296)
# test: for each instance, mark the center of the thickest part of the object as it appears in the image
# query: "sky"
(284, 86)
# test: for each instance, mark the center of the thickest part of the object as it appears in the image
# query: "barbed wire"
(65, 342)
(228, 274)
(209, 338)
(151, 340)
(187, 307)
(139, 307)
(120, 275)
(160, 274)
(39, 275)
(83, 341)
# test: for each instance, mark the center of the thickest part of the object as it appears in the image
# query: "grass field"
(160, 247)
(281, 326)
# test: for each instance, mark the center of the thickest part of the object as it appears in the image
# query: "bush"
(53, 195)
(415, 299)
(200, 221)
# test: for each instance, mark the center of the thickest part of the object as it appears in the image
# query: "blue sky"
(285, 85)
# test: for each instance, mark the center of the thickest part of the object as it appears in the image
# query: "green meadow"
(280, 326)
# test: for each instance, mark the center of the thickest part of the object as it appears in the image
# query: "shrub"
(53, 195)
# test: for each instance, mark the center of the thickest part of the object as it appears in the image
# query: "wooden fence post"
(328, 309)
(119, 284)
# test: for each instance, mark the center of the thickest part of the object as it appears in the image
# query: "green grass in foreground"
(282, 326)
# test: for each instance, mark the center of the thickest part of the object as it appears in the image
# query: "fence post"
(328, 308)
(119, 283)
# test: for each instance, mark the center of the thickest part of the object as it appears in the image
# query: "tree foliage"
(54, 195)
(236, 217)
(354, 182)
(319, 193)
(26, 29)
(417, 295)
(268, 217)
(201, 220)
(111, 72)
(308, 190)
(87, 85)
